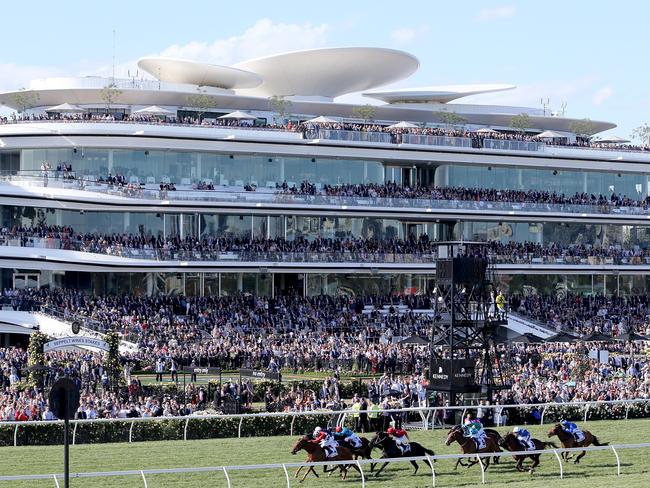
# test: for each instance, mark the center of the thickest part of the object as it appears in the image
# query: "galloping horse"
(390, 450)
(569, 441)
(511, 443)
(494, 434)
(363, 452)
(315, 454)
(469, 446)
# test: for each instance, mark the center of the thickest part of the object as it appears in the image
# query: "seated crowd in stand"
(209, 247)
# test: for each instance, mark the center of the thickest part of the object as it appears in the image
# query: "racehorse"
(511, 443)
(494, 434)
(469, 446)
(390, 450)
(363, 452)
(568, 441)
(316, 454)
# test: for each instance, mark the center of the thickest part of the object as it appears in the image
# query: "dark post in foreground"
(64, 402)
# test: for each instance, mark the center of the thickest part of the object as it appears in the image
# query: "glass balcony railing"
(270, 196)
(429, 140)
(355, 136)
(508, 145)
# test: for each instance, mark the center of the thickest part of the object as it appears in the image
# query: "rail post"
(586, 411)
(131, 432)
(16, 435)
(559, 460)
(363, 477)
(286, 475)
(187, 421)
(627, 410)
(541, 419)
(74, 433)
(56, 482)
(480, 461)
(293, 419)
(225, 472)
(144, 479)
(433, 471)
(618, 461)
(241, 419)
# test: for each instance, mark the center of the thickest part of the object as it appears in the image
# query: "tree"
(201, 102)
(24, 99)
(450, 118)
(365, 112)
(36, 359)
(110, 93)
(642, 133)
(281, 106)
(111, 361)
(520, 122)
(583, 128)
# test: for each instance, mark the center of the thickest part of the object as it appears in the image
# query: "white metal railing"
(427, 415)
(359, 463)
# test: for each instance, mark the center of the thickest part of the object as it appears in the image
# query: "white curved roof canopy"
(437, 94)
(193, 73)
(329, 72)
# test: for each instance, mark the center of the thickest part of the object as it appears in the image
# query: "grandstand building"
(206, 151)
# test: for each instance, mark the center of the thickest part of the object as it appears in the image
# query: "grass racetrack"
(597, 469)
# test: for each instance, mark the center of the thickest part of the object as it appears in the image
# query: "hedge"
(88, 432)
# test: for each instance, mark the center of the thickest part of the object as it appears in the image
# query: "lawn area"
(596, 470)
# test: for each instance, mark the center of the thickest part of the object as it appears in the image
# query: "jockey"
(401, 439)
(325, 439)
(572, 429)
(348, 436)
(474, 430)
(523, 436)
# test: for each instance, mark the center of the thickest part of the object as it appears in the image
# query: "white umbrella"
(238, 115)
(485, 130)
(549, 134)
(613, 140)
(322, 120)
(153, 110)
(403, 125)
(66, 108)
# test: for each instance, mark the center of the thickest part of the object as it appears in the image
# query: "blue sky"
(590, 55)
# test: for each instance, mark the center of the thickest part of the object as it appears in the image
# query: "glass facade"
(559, 181)
(152, 166)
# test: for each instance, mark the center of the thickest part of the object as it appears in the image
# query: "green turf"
(597, 469)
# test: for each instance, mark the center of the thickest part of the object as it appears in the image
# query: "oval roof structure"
(438, 94)
(329, 72)
(174, 70)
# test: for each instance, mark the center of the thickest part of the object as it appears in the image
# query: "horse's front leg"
(298, 472)
(535, 459)
(311, 468)
(381, 469)
(415, 465)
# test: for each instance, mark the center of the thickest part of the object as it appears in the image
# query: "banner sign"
(75, 341)
(463, 374)
(199, 370)
(262, 375)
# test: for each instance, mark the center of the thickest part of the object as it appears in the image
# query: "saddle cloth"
(404, 448)
(480, 443)
(579, 436)
(331, 452)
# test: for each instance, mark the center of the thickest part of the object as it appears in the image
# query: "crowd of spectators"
(209, 247)
(609, 315)
(477, 138)
(480, 195)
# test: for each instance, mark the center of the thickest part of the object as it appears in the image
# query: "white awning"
(66, 108)
(403, 125)
(612, 140)
(322, 120)
(485, 130)
(238, 115)
(549, 134)
(153, 110)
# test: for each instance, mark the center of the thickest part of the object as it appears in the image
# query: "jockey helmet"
(516, 430)
(339, 428)
(391, 431)
(317, 430)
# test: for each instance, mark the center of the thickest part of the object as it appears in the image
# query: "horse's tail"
(596, 442)
(549, 444)
(428, 451)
